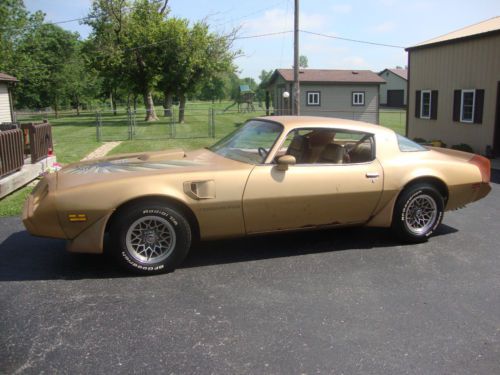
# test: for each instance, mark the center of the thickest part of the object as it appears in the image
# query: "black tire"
(150, 238)
(417, 213)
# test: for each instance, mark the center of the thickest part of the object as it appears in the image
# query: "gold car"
(272, 174)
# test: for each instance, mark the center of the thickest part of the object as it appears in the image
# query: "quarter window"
(467, 105)
(358, 98)
(425, 104)
(313, 98)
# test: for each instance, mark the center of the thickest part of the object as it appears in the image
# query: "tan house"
(350, 94)
(393, 92)
(6, 111)
(454, 88)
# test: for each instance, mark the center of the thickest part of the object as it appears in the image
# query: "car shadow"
(24, 257)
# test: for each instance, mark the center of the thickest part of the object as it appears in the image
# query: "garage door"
(395, 98)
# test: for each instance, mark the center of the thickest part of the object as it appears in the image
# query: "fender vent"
(200, 189)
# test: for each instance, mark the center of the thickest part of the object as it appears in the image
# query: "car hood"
(143, 164)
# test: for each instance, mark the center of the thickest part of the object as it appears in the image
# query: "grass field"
(75, 136)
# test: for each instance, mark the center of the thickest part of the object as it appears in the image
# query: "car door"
(311, 195)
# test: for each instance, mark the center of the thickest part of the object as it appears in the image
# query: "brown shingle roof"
(484, 27)
(332, 76)
(403, 73)
(6, 78)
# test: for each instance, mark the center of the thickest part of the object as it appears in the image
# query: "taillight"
(484, 166)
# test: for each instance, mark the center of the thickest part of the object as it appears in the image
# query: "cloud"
(385, 27)
(276, 20)
(342, 8)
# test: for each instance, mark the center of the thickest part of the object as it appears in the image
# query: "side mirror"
(285, 161)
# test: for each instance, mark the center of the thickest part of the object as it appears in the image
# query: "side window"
(313, 98)
(425, 104)
(358, 98)
(328, 146)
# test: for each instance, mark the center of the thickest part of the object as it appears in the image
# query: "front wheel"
(150, 238)
(418, 212)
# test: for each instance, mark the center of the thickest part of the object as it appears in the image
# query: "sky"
(392, 22)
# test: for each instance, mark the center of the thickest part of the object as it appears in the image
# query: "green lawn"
(394, 119)
(75, 136)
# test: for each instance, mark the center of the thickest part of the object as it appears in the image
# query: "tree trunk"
(56, 108)
(77, 105)
(167, 104)
(150, 108)
(182, 106)
(113, 103)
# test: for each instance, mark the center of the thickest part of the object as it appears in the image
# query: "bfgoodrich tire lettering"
(150, 238)
(418, 212)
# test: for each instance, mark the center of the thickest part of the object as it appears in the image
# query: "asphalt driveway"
(335, 302)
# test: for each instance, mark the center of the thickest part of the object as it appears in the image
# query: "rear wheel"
(150, 238)
(418, 212)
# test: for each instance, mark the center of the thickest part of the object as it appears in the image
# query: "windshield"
(249, 144)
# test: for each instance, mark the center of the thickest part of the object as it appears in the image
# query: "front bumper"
(39, 213)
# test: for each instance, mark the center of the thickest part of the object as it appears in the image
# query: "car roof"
(292, 122)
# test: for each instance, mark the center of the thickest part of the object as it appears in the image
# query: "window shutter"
(478, 107)
(434, 104)
(417, 103)
(456, 105)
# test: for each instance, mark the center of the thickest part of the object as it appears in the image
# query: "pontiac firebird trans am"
(272, 174)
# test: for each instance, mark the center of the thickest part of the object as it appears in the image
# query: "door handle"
(372, 175)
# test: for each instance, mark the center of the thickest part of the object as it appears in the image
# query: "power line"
(263, 35)
(351, 40)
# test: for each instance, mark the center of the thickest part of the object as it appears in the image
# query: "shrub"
(463, 147)
(419, 140)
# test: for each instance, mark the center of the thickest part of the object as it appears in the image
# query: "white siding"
(5, 115)
(394, 82)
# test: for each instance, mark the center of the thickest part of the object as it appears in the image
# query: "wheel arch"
(385, 216)
(167, 200)
(438, 183)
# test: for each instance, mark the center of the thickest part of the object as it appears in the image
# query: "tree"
(264, 77)
(303, 62)
(14, 20)
(83, 83)
(126, 46)
(104, 47)
(48, 52)
(200, 56)
(142, 41)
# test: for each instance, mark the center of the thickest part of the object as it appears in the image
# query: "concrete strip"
(101, 151)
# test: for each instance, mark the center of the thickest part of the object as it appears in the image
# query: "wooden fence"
(30, 139)
(11, 151)
(39, 138)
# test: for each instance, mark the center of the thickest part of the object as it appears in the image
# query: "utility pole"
(296, 83)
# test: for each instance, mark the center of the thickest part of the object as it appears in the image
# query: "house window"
(425, 104)
(358, 98)
(313, 98)
(467, 105)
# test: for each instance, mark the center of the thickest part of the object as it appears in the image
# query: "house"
(393, 92)
(350, 94)
(6, 111)
(454, 88)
